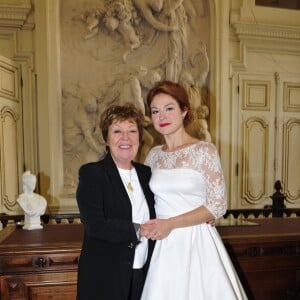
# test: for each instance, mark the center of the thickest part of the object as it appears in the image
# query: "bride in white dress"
(189, 261)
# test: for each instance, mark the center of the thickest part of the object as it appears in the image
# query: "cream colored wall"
(244, 39)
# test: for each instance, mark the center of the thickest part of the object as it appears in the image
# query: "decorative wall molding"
(255, 188)
(247, 34)
(257, 95)
(8, 78)
(11, 135)
(291, 96)
(291, 158)
(9, 158)
(15, 13)
(267, 32)
(15, 19)
(11, 38)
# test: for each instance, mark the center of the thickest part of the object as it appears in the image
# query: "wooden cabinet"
(266, 257)
(57, 285)
(40, 264)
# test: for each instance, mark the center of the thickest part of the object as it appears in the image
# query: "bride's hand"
(145, 229)
(211, 222)
(157, 229)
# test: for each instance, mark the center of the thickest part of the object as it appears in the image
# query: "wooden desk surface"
(284, 228)
(69, 235)
(73, 233)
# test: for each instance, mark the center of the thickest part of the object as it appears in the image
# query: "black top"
(105, 264)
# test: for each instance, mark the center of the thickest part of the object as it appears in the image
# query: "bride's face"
(167, 117)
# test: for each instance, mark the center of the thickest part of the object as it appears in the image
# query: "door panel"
(268, 138)
(290, 124)
(11, 137)
(256, 138)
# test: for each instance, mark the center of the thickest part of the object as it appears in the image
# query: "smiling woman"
(189, 188)
(123, 142)
(114, 198)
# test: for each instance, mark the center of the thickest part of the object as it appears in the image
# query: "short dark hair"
(176, 91)
(121, 113)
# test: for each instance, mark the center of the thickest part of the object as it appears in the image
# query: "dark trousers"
(137, 284)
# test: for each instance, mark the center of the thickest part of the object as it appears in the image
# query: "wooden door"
(11, 137)
(288, 147)
(256, 136)
(268, 139)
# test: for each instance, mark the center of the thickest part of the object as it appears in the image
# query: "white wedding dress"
(191, 263)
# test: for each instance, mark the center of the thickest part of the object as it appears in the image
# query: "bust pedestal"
(32, 222)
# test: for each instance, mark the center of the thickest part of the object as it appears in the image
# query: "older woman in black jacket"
(114, 198)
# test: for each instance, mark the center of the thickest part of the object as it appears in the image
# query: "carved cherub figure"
(147, 9)
(119, 18)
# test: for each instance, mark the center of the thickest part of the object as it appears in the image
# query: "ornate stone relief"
(112, 51)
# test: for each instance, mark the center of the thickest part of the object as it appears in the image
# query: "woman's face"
(123, 142)
(167, 117)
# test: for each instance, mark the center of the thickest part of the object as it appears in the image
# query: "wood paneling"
(42, 264)
(39, 264)
(267, 256)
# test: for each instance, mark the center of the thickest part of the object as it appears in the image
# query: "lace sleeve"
(216, 201)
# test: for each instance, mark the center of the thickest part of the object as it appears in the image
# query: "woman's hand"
(156, 229)
(212, 222)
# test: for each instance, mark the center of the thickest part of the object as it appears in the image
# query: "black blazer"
(105, 263)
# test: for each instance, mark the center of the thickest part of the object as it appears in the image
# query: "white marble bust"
(33, 205)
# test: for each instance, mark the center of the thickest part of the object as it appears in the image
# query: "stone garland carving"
(142, 41)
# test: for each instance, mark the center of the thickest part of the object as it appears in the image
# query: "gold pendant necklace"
(128, 182)
(130, 187)
(126, 176)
